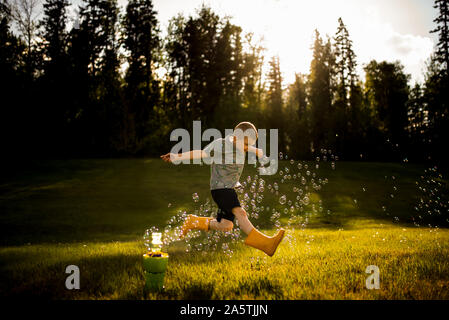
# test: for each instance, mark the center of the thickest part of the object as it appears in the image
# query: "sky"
(380, 29)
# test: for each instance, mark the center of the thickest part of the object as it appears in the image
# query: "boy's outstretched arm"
(258, 152)
(189, 155)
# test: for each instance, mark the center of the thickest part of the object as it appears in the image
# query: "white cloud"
(376, 39)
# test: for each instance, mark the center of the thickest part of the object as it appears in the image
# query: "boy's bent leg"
(195, 222)
(224, 225)
(242, 218)
(257, 239)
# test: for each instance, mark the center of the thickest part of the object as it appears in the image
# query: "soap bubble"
(282, 199)
(305, 200)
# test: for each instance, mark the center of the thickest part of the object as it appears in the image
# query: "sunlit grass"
(321, 264)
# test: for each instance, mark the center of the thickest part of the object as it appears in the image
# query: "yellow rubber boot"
(195, 222)
(258, 240)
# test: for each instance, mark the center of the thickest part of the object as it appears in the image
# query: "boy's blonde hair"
(245, 125)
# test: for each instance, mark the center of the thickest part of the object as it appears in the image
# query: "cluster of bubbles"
(282, 200)
(432, 206)
(285, 200)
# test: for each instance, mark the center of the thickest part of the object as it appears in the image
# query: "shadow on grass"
(100, 277)
(115, 276)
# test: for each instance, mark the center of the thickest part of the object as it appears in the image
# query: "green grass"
(92, 213)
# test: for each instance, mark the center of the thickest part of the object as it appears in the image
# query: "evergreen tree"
(436, 91)
(141, 40)
(275, 103)
(11, 76)
(436, 97)
(348, 92)
(94, 51)
(200, 36)
(418, 123)
(175, 94)
(321, 82)
(55, 67)
(387, 91)
(298, 116)
(442, 21)
(206, 69)
(228, 66)
(253, 86)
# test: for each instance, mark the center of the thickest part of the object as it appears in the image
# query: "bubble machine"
(154, 262)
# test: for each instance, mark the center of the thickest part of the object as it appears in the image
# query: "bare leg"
(223, 225)
(242, 218)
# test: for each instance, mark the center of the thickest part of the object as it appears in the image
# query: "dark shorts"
(226, 200)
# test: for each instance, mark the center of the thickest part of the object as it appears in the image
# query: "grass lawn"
(93, 213)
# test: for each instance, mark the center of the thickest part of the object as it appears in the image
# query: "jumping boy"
(225, 174)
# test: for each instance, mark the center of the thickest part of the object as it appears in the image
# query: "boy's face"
(248, 141)
(249, 138)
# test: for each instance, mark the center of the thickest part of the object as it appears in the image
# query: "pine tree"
(322, 83)
(252, 80)
(12, 116)
(387, 91)
(227, 68)
(297, 113)
(142, 43)
(175, 93)
(436, 91)
(94, 57)
(55, 67)
(206, 68)
(442, 21)
(275, 103)
(54, 34)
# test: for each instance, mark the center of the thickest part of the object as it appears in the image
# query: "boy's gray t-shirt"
(227, 163)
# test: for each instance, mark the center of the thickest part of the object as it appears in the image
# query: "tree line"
(110, 84)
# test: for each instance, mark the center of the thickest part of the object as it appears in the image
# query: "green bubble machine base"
(154, 263)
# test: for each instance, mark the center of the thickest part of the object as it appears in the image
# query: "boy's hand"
(167, 157)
